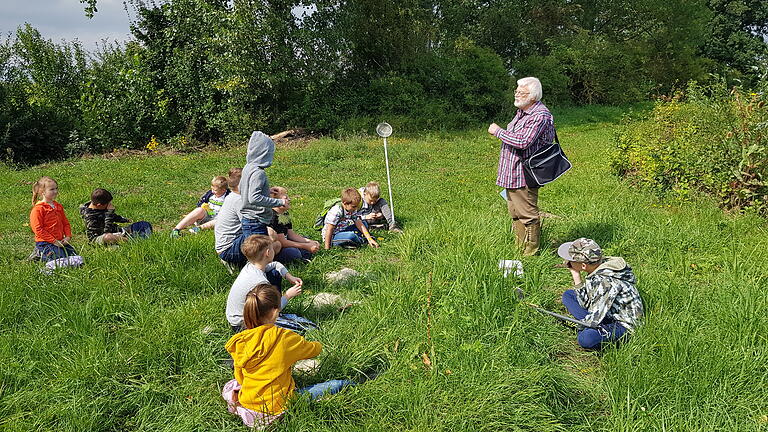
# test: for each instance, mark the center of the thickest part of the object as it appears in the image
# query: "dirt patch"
(293, 138)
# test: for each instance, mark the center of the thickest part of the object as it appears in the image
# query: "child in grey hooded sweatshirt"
(254, 186)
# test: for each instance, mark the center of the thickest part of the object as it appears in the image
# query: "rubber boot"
(519, 229)
(532, 234)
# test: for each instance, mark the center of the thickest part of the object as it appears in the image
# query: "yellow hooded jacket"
(263, 359)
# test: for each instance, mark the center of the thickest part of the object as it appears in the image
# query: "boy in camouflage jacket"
(606, 299)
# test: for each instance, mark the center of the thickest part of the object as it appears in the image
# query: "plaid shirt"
(529, 131)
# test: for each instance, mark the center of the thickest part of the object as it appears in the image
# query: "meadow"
(133, 341)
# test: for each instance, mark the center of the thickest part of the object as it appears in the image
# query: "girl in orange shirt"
(49, 223)
(264, 355)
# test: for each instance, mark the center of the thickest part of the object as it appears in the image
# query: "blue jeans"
(274, 277)
(608, 331)
(289, 254)
(253, 226)
(233, 254)
(141, 229)
(349, 236)
(329, 387)
(50, 252)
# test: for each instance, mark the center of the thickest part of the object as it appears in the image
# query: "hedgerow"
(706, 139)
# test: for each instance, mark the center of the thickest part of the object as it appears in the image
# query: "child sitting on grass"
(204, 216)
(292, 245)
(606, 299)
(261, 269)
(343, 226)
(101, 221)
(376, 211)
(263, 355)
(49, 223)
(254, 185)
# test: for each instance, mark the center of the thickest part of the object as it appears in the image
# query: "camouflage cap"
(582, 250)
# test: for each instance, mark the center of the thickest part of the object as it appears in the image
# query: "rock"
(342, 276)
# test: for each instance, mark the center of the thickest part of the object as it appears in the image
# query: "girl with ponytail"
(264, 356)
(49, 223)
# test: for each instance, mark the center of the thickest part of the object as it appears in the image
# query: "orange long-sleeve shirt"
(49, 223)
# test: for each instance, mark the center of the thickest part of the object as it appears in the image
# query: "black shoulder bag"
(546, 165)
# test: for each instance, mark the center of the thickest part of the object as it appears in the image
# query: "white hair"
(533, 85)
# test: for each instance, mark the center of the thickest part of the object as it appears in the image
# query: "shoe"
(34, 256)
(175, 234)
(194, 229)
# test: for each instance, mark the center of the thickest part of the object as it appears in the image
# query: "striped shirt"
(530, 131)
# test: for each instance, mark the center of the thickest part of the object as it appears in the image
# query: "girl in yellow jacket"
(264, 355)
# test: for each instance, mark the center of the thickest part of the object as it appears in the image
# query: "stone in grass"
(324, 299)
(306, 367)
(342, 276)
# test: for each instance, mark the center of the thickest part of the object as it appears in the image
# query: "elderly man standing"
(530, 130)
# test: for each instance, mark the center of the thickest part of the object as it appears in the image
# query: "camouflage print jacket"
(610, 292)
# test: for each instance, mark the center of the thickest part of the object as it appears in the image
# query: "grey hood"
(261, 150)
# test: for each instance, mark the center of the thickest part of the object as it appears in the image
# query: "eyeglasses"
(521, 93)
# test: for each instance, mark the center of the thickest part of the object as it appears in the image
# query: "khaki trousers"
(523, 205)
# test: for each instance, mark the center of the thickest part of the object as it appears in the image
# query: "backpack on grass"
(327, 205)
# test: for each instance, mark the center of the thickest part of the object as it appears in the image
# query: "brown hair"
(39, 187)
(278, 191)
(101, 196)
(372, 189)
(350, 196)
(254, 246)
(219, 181)
(261, 301)
(234, 177)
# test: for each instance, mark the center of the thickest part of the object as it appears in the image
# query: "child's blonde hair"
(219, 182)
(39, 186)
(350, 196)
(262, 300)
(372, 189)
(254, 246)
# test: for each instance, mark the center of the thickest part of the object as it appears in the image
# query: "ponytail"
(260, 302)
(39, 187)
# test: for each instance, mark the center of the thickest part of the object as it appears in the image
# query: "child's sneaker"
(175, 234)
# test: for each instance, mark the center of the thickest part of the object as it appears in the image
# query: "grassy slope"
(133, 340)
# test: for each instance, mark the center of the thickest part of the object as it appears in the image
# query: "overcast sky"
(65, 19)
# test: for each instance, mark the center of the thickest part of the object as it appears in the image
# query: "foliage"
(212, 71)
(708, 139)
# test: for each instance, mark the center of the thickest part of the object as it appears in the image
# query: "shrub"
(707, 139)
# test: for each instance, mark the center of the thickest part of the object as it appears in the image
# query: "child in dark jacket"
(101, 221)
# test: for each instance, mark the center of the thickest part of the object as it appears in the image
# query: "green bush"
(707, 139)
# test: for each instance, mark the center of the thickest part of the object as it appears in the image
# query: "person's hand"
(373, 243)
(286, 203)
(297, 283)
(110, 206)
(292, 292)
(66, 240)
(58, 243)
(493, 128)
(314, 247)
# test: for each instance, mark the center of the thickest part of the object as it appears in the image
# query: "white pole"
(389, 182)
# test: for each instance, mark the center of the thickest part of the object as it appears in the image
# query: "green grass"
(133, 340)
